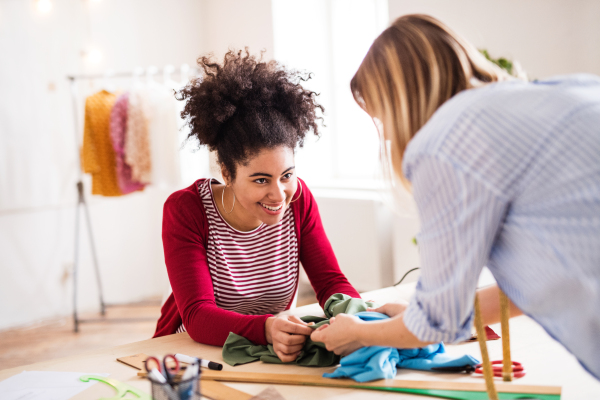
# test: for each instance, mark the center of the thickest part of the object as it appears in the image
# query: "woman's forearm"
(389, 333)
(489, 300)
(393, 332)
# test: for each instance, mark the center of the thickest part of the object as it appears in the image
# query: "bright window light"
(330, 39)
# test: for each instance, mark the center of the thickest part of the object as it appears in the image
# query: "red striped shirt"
(253, 273)
(197, 272)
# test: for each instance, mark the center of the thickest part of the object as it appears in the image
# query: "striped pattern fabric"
(508, 176)
(253, 273)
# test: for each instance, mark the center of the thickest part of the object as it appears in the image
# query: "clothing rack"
(81, 200)
(169, 69)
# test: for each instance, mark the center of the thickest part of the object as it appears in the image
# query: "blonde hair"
(411, 69)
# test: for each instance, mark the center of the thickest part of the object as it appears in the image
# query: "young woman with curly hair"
(233, 249)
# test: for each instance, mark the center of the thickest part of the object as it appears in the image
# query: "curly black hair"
(245, 105)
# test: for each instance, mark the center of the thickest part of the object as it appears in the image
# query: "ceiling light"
(44, 6)
(93, 55)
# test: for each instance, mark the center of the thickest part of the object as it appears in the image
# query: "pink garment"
(118, 126)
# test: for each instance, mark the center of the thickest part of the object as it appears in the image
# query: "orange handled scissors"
(169, 373)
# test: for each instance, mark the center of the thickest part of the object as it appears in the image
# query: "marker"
(203, 363)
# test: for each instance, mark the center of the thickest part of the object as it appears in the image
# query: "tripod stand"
(81, 203)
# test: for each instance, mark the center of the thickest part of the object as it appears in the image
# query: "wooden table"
(546, 361)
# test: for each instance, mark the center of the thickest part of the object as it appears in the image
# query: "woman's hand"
(288, 334)
(391, 309)
(341, 335)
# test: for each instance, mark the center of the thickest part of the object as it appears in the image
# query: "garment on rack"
(118, 127)
(376, 362)
(97, 153)
(239, 350)
(137, 139)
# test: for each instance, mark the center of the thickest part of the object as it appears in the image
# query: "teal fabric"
(372, 363)
(238, 350)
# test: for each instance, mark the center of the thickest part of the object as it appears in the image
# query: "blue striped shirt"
(508, 176)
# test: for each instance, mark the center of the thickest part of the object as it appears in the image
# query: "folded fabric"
(374, 362)
(363, 365)
(239, 350)
(342, 303)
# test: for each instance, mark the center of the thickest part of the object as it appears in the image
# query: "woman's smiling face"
(263, 187)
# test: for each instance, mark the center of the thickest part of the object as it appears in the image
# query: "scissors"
(517, 369)
(168, 373)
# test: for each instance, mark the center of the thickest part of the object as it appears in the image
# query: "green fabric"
(238, 350)
(342, 303)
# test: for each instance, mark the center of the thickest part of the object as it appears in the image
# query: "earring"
(223, 201)
(299, 183)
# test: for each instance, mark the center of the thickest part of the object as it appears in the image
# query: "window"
(330, 38)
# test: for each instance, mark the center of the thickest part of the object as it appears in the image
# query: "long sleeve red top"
(185, 234)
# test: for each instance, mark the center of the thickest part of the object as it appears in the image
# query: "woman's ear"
(226, 175)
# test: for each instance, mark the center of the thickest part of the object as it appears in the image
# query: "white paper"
(44, 385)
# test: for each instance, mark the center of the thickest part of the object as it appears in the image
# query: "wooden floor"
(54, 339)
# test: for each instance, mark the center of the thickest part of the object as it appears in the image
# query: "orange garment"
(98, 155)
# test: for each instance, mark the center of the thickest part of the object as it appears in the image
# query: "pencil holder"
(188, 389)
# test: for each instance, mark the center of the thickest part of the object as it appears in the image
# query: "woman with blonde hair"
(505, 173)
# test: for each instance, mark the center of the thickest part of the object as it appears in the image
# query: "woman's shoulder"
(187, 194)
(187, 201)
(470, 115)
(302, 200)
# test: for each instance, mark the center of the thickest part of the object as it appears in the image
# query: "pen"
(203, 363)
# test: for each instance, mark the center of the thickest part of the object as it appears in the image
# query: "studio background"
(38, 164)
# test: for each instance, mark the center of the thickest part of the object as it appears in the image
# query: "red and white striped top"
(186, 245)
(253, 273)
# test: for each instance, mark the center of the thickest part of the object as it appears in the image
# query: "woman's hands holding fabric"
(341, 335)
(391, 309)
(288, 334)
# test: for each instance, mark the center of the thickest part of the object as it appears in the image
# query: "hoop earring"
(223, 201)
(299, 183)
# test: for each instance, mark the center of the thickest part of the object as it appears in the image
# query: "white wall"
(548, 37)
(236, 24)
(359, 228)
(37, 152)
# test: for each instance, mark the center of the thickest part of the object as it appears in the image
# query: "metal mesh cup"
(188, 389)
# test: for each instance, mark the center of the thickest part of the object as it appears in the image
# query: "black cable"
(408, 272)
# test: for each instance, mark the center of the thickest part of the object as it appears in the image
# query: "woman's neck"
(238, 217)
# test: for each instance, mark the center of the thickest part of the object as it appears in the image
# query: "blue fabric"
(375, 362)
(508, 176)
